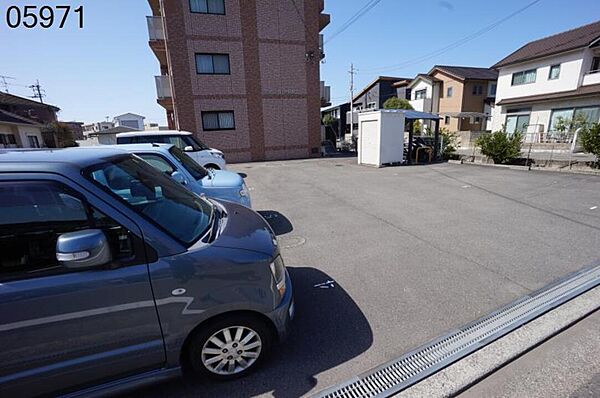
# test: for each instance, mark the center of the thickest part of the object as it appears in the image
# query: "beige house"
(462, 96)
(19, 132)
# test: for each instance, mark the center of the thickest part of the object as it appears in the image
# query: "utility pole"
(37, 91)
(352, 71)
(4, 82)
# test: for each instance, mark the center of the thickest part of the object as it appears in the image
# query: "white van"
(196, 149)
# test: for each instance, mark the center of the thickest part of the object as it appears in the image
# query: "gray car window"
(33, 214)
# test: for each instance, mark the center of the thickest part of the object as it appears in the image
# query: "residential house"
(22, 121)
(19, 132)
(130, 120)
(461, 95)
(373, 96)
(96, 127)
(104, 136)
(466, 96)
(242, 74)
(549, 79)
(76, 128)
(339, 128)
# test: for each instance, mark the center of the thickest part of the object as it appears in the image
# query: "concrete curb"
(471, 369)
(526, 168)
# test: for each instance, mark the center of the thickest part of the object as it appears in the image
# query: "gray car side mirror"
(83, 249)
(188, 148)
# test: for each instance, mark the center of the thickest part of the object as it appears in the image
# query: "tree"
(417, 127)
(396, 103)
(590, 140)
(328, 120)
(499, 146)
(62, 133)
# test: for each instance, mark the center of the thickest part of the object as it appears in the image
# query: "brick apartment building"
(242, 74)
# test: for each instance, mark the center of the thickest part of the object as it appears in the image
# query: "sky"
(107, 68)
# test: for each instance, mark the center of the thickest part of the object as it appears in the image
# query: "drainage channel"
(397, 375)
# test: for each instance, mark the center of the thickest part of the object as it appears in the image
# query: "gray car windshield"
(197, 171)
(182, 214)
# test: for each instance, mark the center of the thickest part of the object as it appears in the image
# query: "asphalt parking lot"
(383, 260)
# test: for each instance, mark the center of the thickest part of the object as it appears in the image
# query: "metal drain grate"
(399, 374)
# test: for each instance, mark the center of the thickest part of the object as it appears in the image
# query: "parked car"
(218, 184)
(113, 275)
(208, 157)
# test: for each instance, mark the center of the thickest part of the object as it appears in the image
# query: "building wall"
(23, 132)
(423, 105)
(273, 88)
(571, 66)
(540, 112)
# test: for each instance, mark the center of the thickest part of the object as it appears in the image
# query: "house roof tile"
(561, 42)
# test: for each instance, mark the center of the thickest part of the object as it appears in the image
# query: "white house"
(130, 120)
(557, 76)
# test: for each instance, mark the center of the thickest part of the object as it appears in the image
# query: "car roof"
(79, 156)
(154, 147)
(153, 132)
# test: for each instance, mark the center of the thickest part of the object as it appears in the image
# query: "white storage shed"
(381, 135)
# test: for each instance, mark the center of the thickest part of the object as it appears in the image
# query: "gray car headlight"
(278, 271)
(218, 155)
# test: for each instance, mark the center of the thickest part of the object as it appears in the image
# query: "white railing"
(592, 77)
(163, 86)
(155, 28)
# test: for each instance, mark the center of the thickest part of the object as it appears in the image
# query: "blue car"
(168, 158)
(112, 276)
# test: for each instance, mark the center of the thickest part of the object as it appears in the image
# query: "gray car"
(104, 288)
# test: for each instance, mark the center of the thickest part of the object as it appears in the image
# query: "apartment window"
(477, 89)
(446, 119)
(554, 72)
(492, 90)
(595, 65)
(208, 6)
(524, 77)
(449, 93)
(212, 64)
(420, 94)
(219, 120)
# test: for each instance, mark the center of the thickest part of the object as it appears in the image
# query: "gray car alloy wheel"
(231, 350)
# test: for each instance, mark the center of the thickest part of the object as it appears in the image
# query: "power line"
(453, 45)
(366, 8)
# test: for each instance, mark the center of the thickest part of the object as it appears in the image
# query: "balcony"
(324, 20)
(592, 77)
(421, 105)
(321, 46)
(163, 87)
(325, 94)
(155, 28)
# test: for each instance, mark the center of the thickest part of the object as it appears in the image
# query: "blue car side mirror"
(83, 249)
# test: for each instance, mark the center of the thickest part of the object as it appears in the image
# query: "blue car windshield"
(197, 171)
(182, 214)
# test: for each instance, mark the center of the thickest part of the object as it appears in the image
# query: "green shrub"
(397, 103)
(590, 140)
(499, 146)
(328, 120)
(450, 144)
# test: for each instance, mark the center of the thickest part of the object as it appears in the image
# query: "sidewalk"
(567, 365)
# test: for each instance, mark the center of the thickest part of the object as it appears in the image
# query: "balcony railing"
(155, 28)
(592, 77)
(163, 86)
